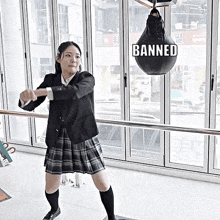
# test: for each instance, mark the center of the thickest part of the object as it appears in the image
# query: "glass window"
(106, 69)
(70, 21)
(2, 136)
(41, 54)
(14, 66)
(1, 102)
(144, 92)
(217, 139)
(188, 80)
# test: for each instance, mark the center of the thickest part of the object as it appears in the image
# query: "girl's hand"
(28, 95)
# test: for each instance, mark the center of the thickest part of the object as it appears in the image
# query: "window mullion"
(211, 94)
(87, 23)
(3, 92)
(165, 102)
(54, 27)
(125, 75)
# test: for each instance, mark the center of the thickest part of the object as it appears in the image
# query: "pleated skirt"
(66, 157)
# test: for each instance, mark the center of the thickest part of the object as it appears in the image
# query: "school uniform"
(72, 145)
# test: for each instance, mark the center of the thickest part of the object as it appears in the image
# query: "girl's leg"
(102, 184)
(52, 194)
(52, 183)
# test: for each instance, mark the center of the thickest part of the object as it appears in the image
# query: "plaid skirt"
(65, 157)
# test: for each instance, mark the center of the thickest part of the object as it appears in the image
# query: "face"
(70, 60)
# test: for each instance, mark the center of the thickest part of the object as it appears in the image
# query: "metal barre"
(126, 123)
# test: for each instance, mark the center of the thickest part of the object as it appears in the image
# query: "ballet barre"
(163, 127)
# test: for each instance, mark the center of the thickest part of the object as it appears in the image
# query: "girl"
(72, 145)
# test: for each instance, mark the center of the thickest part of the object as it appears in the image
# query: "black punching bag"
(155, 52)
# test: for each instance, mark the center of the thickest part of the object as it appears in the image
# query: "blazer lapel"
(57, 81)
(74, 79)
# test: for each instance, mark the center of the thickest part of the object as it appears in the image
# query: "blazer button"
(56, 130)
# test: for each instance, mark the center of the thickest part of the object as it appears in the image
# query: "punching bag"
(155, 52)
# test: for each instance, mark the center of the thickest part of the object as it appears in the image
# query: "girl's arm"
(40, 92)
(33, 98)
(83, 87)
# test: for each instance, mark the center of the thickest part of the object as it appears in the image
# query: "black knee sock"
(108, 202)
(53, 200)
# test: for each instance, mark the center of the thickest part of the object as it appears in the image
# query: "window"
(14, 67)
(145, 91)
(107, 72)
(187, 82)
(41, 56)
(70, 23)
(216, 164)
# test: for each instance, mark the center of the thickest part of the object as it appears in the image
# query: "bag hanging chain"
(154, 3)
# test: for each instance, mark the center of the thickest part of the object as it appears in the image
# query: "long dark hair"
(63, 46)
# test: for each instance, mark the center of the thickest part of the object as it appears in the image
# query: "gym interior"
(159, 133)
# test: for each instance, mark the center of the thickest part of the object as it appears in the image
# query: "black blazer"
(72, 106)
